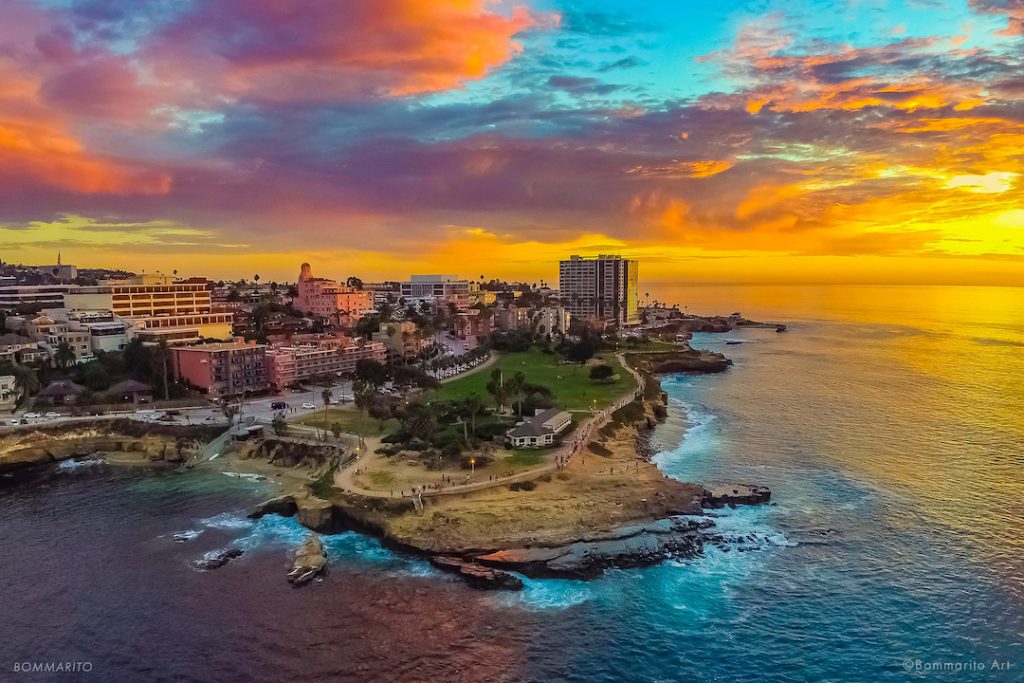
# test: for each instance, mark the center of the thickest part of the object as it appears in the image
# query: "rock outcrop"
(217, 560)
(629, 546)
(313, 513)
(735, 494)
(683, 360)
(26, 447)
(476, 575)
(310, 562)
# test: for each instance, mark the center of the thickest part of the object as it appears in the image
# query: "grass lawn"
(526, 457)
(571, 383)
(352, 421)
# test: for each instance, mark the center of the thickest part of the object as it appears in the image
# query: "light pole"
(472, 464)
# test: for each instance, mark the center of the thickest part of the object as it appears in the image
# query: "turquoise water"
(887, 422)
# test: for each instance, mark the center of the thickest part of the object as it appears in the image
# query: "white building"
(539, 430)
(435, 289)
(8, 392)
(60, 271)
(38, 296)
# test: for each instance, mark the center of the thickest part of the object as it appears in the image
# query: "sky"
(856, 141)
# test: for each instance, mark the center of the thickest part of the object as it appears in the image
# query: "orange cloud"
(37, 149)
(684, 169)
(268, 50)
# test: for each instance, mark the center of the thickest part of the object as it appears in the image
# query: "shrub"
(602, 373)
(522, 486)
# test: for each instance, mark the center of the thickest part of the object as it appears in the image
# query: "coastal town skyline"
(761, 142)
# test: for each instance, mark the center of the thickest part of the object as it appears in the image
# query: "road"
(258, 407)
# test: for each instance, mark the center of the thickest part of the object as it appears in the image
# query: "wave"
(70, 465)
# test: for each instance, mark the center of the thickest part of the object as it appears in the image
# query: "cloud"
(219, 124)
(323, 50)
(1013, 10)
(581, 86)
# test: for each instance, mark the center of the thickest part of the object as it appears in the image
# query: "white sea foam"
(227, 521)
(78, 464)
(543, 594)
(245, 475)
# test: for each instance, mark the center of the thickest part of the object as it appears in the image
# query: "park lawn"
(573, 389)
(351, 421)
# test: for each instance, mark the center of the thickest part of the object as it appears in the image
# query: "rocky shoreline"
(25, 449)
(611, 508)
(582, 556)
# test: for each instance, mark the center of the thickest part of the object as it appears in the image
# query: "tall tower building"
(605, 287)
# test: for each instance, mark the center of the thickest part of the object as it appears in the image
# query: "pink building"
(328, 299)
(290, 364)
(226, 369)
(474, 326)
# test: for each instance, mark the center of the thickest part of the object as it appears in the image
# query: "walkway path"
(345, 479)
(487, 363)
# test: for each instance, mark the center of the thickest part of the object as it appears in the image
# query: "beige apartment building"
(158, 307)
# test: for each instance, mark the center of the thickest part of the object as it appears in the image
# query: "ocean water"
(888, 422)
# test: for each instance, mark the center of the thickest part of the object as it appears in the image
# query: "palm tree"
(163, 354)
(515, 389)
(473, 406)
(64, 356)
(26, 381)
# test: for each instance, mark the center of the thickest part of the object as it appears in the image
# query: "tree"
(473, 405)
(162, 354)
(26, 381)
(380, 411)
(363, 395)
(138, 360)
(354, 282)
(422, 422)
(497, 389)
(581, 351)
(601, 373)
(371, 372)
(64, 356)
(515, 389)
(280, 426)
(336, 430)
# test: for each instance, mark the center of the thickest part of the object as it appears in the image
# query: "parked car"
(32, 416)
(52, 414)
(308, 406)
(15, 423)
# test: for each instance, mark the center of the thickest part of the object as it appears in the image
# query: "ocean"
(888, 422)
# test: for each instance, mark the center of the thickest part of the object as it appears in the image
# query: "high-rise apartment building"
(603, 287)
(225, 369)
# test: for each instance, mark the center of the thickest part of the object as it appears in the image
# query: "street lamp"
(472, 465)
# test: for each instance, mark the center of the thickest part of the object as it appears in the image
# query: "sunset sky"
(795, 141)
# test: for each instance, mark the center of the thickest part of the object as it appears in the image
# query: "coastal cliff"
(683, 360)
(610, 507)
(44, 444)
